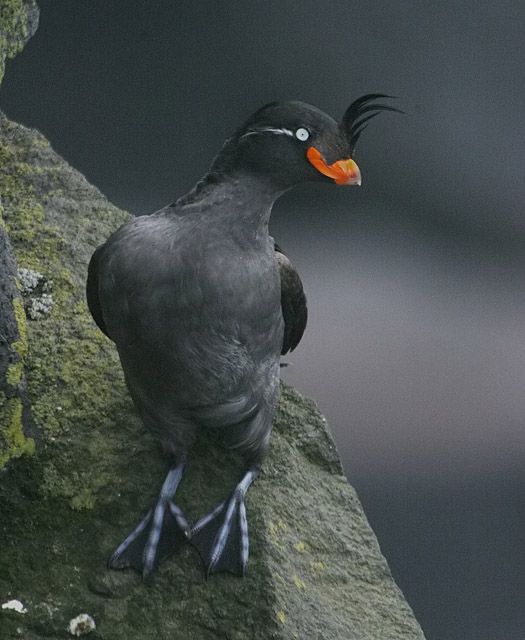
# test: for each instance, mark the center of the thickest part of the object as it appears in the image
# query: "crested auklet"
(201, 304)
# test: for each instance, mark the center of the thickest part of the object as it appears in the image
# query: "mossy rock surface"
(18, 22)
(14, 437)
(315, 569)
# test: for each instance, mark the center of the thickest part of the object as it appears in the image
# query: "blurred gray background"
(415, 349)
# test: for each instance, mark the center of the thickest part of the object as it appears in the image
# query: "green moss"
(22, 214)
(83, 500)
(13, 374)
(13, 30)
(20, 347)
(13, 443)
(54, 483)
(300, 584)
(20, 317)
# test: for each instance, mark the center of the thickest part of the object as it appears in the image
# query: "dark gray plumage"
(201, 304)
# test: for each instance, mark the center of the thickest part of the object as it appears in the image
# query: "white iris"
(302, 134)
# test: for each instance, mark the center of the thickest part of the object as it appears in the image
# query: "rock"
(14, 605)
(14, 438)
(315, 569)
(36, 291)
(81, 625)
(18, 22)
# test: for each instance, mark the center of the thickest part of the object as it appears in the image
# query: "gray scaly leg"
(162, 531)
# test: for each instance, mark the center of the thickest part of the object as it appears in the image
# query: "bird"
(202, 303)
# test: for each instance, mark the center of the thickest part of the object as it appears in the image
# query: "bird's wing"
(293, 302)
(92, 293)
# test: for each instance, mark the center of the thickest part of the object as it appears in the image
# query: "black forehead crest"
(360, 112)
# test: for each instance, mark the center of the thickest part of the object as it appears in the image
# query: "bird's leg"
(221, 537)
(162, 531)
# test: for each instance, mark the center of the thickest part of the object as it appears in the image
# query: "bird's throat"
(242, 204)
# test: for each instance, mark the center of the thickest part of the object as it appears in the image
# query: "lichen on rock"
(14, 439)
(37, 293)
(18, 22)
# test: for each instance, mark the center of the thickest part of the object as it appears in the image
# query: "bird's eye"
(302, 134)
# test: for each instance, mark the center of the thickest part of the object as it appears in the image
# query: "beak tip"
(350, 173)
(354, 179)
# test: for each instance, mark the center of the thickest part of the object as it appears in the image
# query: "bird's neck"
(240, 201)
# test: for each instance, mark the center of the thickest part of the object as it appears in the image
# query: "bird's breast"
(189, 267)
(193, 314)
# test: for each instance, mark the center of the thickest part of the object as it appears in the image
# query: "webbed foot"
(221, 537)
(161, 532)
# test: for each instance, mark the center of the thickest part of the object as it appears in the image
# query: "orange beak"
(342, 171)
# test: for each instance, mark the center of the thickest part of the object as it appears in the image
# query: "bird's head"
(293, 142)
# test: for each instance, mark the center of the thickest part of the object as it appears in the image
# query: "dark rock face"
(315, 570)
(14, 411)
(18, 22)
(13, 349)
